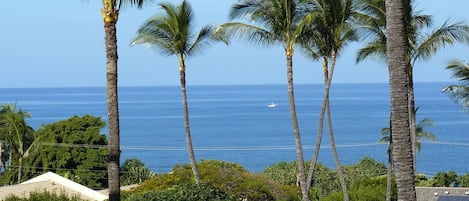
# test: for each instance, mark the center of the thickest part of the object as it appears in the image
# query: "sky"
(60, 43)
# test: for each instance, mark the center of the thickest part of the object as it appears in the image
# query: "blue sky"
(61, 44)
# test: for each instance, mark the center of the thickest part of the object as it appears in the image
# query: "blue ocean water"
(233, 123)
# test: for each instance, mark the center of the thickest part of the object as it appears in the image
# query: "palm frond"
(447, 34)
(374, 50)
(255, 34)
(204, 39)
(385, 135)
(459, 93)
(122, 4)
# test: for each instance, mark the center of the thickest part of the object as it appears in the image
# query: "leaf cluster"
(73, 148)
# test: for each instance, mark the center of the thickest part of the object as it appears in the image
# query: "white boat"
(272, 105)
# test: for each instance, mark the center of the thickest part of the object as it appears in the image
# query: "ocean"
(233, 123)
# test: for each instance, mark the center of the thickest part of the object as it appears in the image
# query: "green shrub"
(45, 196)
(370, 189)
(231, 178)
(135, 172)
(184, 192)
(463, 180)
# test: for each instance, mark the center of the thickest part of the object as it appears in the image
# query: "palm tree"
(17, 134)
(421, 45)
(281, 22)
(330, 32)
(420, 131)
(396, 51)
(171, 34)
(110, 13)
(460, 92)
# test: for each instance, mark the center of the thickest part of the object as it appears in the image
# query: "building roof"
(51, 182)
(453, 198)
(442, 194)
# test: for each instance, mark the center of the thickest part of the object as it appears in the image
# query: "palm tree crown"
(171, 34)
(421, 44)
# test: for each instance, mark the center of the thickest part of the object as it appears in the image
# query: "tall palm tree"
(275, 22)
(16, 132)
(329, 33)
(110, 13)
(421, 44)
(172, 34)
(396, 51)
(460, 92)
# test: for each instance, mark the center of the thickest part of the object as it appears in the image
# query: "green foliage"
(445, 179)
(73, 148)
(184, 192)
(230, 178)
(366, 168)
(283, 173)
(16, 139)
(135, 172)
(369, 189)
(463, 180)
(325, 180)
(460, 91)
(43, 196)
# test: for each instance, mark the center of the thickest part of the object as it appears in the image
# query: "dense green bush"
(463, 180)
(325, 180)
(72, 148)
(184, 192)
(134, 171)
(230, 178)
(45, 196)
(369, 189)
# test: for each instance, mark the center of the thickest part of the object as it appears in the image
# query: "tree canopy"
(73, 148)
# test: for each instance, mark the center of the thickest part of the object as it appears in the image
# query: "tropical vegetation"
(172, 34)
(459, 92)
(329, 33)
(279, 22)
(392, 31)
(73, 148)
(17, 138)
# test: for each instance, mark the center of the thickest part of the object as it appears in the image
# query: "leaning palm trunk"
(331, 133)
(343, 184)
(296, 130)
(182, 73)
(113, 110)
(328, 75)
(317, 147)
(398, 79)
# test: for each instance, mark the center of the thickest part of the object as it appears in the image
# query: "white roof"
(53, 183)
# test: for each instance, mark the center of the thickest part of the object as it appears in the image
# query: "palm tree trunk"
(331, 133)
(113, 110)
(296, 129)
(398, 79)
(312, 166)
(389, 173)
(412, 114)
(343, 184)
(182, 72)
(20, 169)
